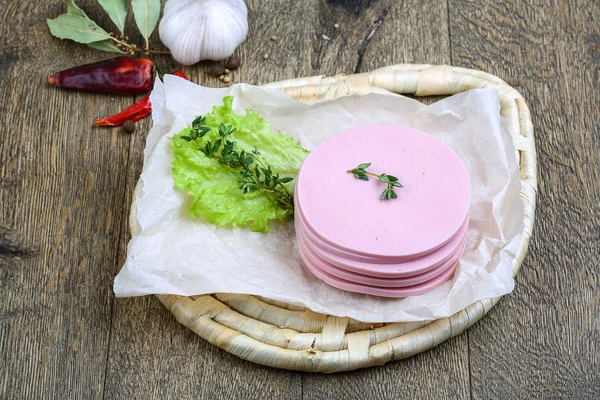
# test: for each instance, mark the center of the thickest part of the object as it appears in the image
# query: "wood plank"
(163, 354)
(306, 40)
(54, 319)
(61, 192)
(411, 32)
(542, 340)
(163, 357)
(151, 354)
(414, 32)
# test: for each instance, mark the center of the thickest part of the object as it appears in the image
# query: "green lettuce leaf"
(216, 192)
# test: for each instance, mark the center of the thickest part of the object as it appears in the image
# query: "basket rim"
(285, 336)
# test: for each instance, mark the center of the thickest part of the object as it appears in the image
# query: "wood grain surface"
(547, 333)
(66, 186)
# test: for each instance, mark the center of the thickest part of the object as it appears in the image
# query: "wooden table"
(66, 186)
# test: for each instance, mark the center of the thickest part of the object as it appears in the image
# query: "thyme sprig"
(252, 173)
(361, 172)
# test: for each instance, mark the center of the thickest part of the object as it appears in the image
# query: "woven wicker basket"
(286, 336)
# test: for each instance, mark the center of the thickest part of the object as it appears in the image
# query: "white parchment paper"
(172, 253)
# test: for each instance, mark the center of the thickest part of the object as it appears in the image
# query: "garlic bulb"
(197, 30)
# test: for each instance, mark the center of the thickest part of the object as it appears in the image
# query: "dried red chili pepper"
(179, 74)
(135, 112)
(120, 75)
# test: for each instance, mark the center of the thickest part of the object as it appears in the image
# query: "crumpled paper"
(172, 253)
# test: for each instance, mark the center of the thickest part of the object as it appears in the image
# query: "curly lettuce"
(216, 191)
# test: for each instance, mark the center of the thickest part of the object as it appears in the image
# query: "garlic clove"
(196, 30)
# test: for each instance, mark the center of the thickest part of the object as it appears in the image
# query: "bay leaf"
(146, 13)
(106, 45)
(76, 28)
(117, 11)
(74, 10)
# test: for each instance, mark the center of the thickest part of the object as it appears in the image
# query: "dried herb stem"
(361, 172)
(122, 43)
(252, 173)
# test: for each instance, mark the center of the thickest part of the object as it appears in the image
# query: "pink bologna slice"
(439, 253)
(343, 284)
(347, 212)
(376, 281)
(372, 266)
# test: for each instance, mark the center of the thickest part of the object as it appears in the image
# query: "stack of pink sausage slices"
(355, 235)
